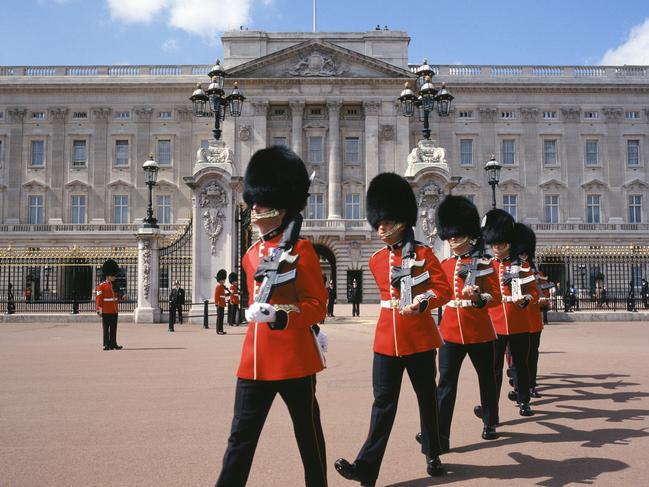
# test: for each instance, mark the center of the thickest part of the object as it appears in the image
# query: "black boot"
(534, 393)
(512, 396)
(434, 466)
(418, 438)
(477, 410)
(489, 433)
(525, 410)
(350, 472)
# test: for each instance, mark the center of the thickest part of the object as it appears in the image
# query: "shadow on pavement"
(157, 348)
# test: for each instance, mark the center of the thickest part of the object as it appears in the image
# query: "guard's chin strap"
(272, 213)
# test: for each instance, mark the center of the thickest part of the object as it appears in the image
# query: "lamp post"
(213, 102)
(425, 98)
(150, 168)
(493, 168)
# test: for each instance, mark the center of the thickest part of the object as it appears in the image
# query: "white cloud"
(202, 17)
(635, 50)
(170, 45)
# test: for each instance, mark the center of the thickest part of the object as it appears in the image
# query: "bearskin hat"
(390, 197)
(110, 268)
(457, 217)
(498, 227)
(232, 277)
(524, 241)
(276, 178)
(221, 275)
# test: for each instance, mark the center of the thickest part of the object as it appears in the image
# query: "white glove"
(323, 340)
(261, 313)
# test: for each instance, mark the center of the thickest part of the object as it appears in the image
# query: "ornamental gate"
(175, 264)
(244, 240)
(62, 279)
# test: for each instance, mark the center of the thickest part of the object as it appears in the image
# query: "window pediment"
(511, 184)
(635, 184)
(594, 184)
(35, 185)
(468, 184)
(552, 184)
(119, 183)
(77, 184)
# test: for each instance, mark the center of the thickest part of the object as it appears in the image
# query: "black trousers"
(220, 312)
(356, 309)
(253, 399)
(233, 314)
(451, 356)
(533, 361)
(109, 324)
(330, 308)
(544, 312)
(519, 347)
(387, 374)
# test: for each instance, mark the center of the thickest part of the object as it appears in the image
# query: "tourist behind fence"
(107, 304)
(234, 315)
(176, 302)
(280, 354)
(220, 300)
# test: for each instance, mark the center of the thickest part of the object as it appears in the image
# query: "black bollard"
(206, 307)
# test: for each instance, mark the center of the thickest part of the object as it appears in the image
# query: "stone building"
(572, 141)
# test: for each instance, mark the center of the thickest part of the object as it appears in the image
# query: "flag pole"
(314, 13)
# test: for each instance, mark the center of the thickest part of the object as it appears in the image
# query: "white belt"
(390, 303)
(460, 303)
(110, 299)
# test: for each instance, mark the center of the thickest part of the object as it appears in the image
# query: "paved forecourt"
(159, 411)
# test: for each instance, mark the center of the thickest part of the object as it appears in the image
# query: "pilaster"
(297, 116)
(148, 307)
(260, 124)
(335, 165)
(371, 109)
(57, 167)
(15, 164)
(100, 165)
(614, 166)
(575, 207)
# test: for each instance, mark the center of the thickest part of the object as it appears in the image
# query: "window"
(121, 152)
(592, 151)
(507, 114)
(633, 152)
(466, 152)
(2, 115)
(280, 141)
(353, 206)
(315, 149)
(78, 153)
(509, 204)
(78, 209)
(38, 153)
(635, 208)
(122, 115)
(279, 112)
(591, 115)
(36, 213)
(466, 114)
(315, 206)
(120, 209)
(550, 152)
(352, 112)
(39, 115)
(163, 203)
(164, 152)
(631, 115)
(352, 150)
(551, 208)
(164, 115)
(549, 115)
(508, 151)
(315, 112)
(80, 115)
(593, 208)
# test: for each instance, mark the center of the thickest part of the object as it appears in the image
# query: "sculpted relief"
(213, 202)
(428, 199)
(316, 64)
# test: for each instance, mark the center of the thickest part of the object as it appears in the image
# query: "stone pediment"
(552, 184)
(353, 181)
(511, 184)
(468, 184)
(635, 184)
(76, 183)
(594, 184)
(317, 59)
(166, 184)
(34, 185)
(119, 183)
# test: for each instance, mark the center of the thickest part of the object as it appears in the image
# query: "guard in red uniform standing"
(511, 318)
(411, 283)
(465, 326)
(233, 300)
(220, 300)
(280, 352)
(107, 304)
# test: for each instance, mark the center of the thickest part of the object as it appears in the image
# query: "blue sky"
(54, 32)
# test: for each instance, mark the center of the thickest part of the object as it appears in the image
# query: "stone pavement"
(158, 412)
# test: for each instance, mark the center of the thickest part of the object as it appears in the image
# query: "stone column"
(148, 308)
(371, 108)
(183, 165)
(139, 154)
(259, 132)
(57, 166)
(335, 166)
(574, 208)
(100, 166)
(297, 114)
(613, 166)
(15, 165)
(531, 171)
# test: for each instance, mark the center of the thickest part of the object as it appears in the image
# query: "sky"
(534, 32)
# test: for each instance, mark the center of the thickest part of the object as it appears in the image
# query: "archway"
(327, 263)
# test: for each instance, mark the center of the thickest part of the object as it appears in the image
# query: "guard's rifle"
(470, 272)
(402, 276)
(516, 282)
(268, 270)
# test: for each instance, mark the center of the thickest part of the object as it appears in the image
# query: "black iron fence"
(591, 278)
(175, 264)
(62, 280)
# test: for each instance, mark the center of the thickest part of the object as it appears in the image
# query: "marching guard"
(465, 326)
(411, 284)
(510, 318)
(280, 352)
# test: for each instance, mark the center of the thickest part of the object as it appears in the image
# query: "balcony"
(590, 227)
(337, 227)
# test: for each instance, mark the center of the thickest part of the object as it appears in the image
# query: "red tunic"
(293, 352)
(106, 299)
(234, 293)
(219, 295)
(467, 325)
(398, 335)
(509, 318)
(536, 320)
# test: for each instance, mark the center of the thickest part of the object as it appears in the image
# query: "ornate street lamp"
(425, 98)
(493, 168)
(151, 168)
(213, 102)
